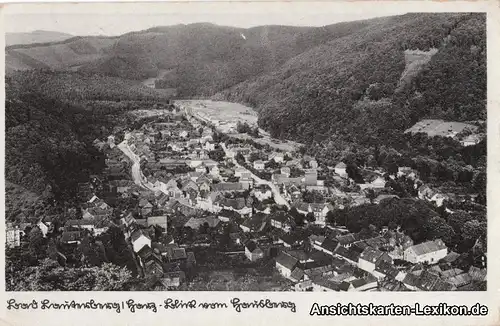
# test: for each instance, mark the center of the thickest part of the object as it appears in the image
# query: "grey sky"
(98, 20)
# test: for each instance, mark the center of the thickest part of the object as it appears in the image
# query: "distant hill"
(201, 59)
(35, 37)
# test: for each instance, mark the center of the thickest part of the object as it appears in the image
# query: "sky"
(97, 19)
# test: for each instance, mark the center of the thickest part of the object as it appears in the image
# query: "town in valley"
(346, 177)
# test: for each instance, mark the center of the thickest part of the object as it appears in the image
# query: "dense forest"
(350, 99)
(351, 86)
(51, 120)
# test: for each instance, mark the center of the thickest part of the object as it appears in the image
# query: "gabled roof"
(286, 260)
(228, 213)
(340, 165)
(348, 253)
(370, 254)
(251, 245)
(330, 244)
(297, 274)
(427, 280)
(68, 236)
(138, 233)
(227, 186)
(386, 268)
(428, 247)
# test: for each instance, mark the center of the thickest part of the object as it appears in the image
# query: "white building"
(259, 165)
(430, 252)
(140, 239)
(13, 236)
(340, 169)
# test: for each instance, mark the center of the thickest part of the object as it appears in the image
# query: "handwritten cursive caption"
(134, 306)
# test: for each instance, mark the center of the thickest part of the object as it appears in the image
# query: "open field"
(226, 115)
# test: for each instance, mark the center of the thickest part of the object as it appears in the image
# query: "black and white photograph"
(246, 151)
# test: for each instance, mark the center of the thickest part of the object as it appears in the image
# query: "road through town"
(278, 198)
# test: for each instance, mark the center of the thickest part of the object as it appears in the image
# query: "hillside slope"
(201, 59)
(350, 88)
(35, 37)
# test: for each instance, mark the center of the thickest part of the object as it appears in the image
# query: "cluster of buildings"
(187, 180)
(382, 261)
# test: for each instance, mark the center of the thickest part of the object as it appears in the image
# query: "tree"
(457, 220)
(110, 277)
(217, 155)
(371, 195)
(310, 217)
(297, 217)
(35, 242)
(254, 156)
(436, 228)
(330, 218)
(240, 158)
(473, 230)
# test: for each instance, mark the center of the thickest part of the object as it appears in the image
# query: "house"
(145, 206)
(158, 220)
(316, 240)
(430, 252)
(285, 171)
(214, 171)
(195, 222)
(340, 169)
(285, 264)
(239, 171)
(256, 223)
(471, 140)
(139, 239)
(13, 236)
(329, 245)
(427, 280)
(183, 134)
(350, 255)
(369, 258)
(347, 240)
(227, 186)
(281, 220)
(410, 281)
(385, 269)
(378, 183)
(364, 284)
(71, 237)
(277, 157)
(290, 240)
(246, 180)
(311, 177)
(44, 227)
(438, 199)
(313, 164)
(320, 211)
(252, 251)
(259, 165)
(241, 205)
(425, 192)
(297, 275)
(201, 168)
(226, 215)
(172, 280)
(209, 146)
(263, 193)
(208, 201)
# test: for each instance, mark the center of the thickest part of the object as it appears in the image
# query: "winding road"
(278, 198)
(136, 166)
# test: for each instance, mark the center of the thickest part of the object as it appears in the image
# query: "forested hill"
(51, 120)
(376, 81)
(199, 59)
